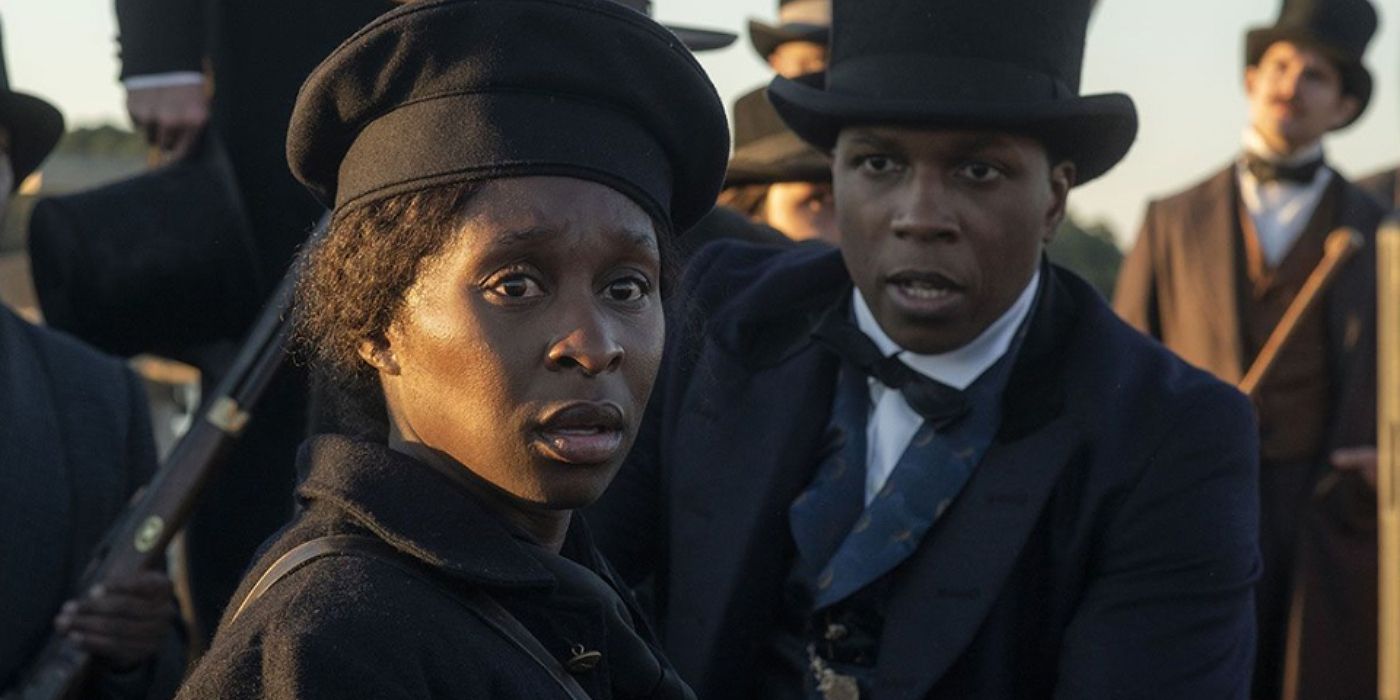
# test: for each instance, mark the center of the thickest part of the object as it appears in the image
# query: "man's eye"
(980, 172)
(517, 287)
(630, 289)
(877, 165)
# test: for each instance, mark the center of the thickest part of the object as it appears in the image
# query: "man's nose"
(925, 210)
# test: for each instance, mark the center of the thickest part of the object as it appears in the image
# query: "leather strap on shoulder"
(475, 600)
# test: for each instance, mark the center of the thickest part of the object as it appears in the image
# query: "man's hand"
(171, 117)
(123, 622)
(1362, 460)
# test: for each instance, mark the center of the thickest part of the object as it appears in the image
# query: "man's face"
(1295, 97)
(942, 229)
(794, 58)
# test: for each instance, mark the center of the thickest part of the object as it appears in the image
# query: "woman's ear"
(379, 354)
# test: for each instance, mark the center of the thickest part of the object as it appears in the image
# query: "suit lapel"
(941, 597)
(1212, 246)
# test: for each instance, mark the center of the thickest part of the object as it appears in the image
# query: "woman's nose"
(590, 346)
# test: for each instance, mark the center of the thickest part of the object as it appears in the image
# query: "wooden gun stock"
(138, 539)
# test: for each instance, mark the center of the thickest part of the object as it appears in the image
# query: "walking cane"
(1388, 466)
(1340, 246)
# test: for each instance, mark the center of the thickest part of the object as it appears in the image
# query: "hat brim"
(766, 38)
(702, 39)
(777, 158)
(35, 127)
(1355, 76)
(1095, 131)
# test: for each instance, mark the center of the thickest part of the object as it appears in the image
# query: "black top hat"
(766, 151)
(1341, 29)
(1012, 65)
(798, 20)
(694, 39)
(446, 91)
(34, 125)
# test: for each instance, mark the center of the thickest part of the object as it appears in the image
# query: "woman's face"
(525, 350)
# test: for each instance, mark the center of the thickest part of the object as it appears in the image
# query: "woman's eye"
(877, 165)
(630, 289)
(980, 172)
(517, 287)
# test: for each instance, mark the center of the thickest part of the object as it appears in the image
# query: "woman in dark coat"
(487, 305)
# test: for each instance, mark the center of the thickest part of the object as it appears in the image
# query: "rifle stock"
(140, 536)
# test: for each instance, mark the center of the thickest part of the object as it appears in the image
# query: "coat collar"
(419, 511)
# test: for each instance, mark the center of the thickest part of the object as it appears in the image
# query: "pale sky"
(1180, 61)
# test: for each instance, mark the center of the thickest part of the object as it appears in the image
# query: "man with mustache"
(1212, 272)
(930, 464)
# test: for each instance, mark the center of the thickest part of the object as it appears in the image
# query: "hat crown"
(1032, 36)
(1342, 25)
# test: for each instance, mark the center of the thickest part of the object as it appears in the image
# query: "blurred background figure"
(75, 444)
(235, 66)
(1211, 275)
(797, 45)
(777, 179)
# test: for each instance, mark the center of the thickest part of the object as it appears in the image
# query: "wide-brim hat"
(694, 38)
(440, 92)
(1011, 65)
(1339, 29)
(35, 127)
(766, 151)
(798, 20)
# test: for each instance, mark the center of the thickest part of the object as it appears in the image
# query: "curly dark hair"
(351, 283)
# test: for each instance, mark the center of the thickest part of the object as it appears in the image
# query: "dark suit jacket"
(1105, 546)
(75, 443)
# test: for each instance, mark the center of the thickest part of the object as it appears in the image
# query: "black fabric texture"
(501, 88)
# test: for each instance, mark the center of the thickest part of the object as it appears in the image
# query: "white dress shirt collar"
(1280, 210)
(960, 367)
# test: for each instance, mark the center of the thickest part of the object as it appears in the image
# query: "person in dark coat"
(930, 464)
(1212, 272)
(75, 444)
(1384, 186)
(235, 66)
(489, 311)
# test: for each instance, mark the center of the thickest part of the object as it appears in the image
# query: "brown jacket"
(1181, 284)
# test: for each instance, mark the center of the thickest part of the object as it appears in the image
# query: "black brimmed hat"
(1010, 65)
(34, 125)
(448, 91)
(766, 151)
(798, 20)
(694, 39)
(1340, 29)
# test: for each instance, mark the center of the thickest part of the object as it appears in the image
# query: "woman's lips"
(582, 433)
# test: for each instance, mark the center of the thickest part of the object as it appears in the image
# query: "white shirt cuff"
(160, 80)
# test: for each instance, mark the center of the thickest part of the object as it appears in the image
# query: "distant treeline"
(105, 141)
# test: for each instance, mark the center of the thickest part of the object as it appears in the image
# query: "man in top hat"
(1211, 275)
(930, 464)
(75, 444)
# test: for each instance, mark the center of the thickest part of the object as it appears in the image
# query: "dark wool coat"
(357, 627)
(259, 52)
(1180, 284)
(1104, 547)
(75, 444)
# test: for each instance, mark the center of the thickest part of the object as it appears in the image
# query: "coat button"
(583, 660)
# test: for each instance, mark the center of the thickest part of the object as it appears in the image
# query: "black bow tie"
(1268, 171)
(939, 404)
